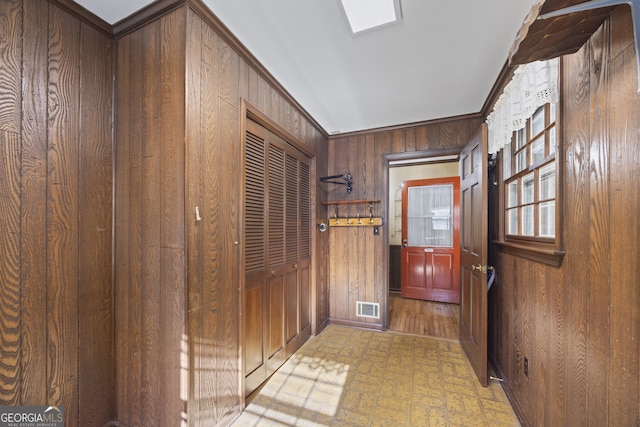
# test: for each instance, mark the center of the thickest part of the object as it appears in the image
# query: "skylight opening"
(364, 15)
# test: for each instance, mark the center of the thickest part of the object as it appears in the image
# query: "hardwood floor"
(434, 319)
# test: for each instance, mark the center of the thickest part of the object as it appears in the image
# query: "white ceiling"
(440, 61)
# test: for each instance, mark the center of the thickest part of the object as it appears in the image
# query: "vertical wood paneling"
(228, 370)
(599, 233)
(10, 72)
(62, 208)
(576, 124)
(95, 177)
(10, 311)
(33, 254)
(624, 227)
(357, 264)
(10, 203)
(172, 223)
(585, 343)
(151, 233)
(122, 227)
(199, 382)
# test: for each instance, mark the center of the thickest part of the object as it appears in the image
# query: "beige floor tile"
(352, 377)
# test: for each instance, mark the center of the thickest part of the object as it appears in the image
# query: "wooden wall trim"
(142, 17)
(77, 11)
(353, 323)
(407, 126)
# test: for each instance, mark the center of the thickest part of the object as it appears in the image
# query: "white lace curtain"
(532, 85)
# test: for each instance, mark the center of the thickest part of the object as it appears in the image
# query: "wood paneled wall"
(579, 325)
(358, 265)
(56, 300)
(179, 90)
(150, 245)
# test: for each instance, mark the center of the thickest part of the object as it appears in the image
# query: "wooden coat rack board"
(358, 220)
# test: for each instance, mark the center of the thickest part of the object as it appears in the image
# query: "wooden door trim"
(247, 110)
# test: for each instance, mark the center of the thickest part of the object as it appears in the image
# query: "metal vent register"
(368, 309)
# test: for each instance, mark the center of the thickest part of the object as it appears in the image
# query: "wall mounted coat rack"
(334, 179)
(357, 221)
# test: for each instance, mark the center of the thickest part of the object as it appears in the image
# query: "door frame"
(397, 159)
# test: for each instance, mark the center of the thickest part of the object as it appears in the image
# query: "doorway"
(411, 315)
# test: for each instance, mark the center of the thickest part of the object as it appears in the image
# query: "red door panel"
(431, 271)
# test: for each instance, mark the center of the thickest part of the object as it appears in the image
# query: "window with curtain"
(524, 126)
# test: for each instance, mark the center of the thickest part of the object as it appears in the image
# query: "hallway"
(348, 376)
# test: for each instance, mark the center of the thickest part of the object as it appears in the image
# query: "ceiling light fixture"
(367, 14)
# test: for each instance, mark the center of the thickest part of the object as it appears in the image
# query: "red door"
(430, 239)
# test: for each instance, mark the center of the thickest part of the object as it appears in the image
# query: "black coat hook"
(332, 180)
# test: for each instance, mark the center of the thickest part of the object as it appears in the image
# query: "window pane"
(430, 216)
(507, 161)
(521, 161)
(512, 218)
(547, 219)
(521, 138)
(512, 197)
(537, 150)
(527, 220)
(552, 140)
(552, 113)
(527, 188)
(537, 122)
(548, 181)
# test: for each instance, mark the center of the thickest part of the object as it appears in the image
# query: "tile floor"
(353, 377)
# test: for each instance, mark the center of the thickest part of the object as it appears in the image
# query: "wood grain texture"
(10, 72)
(96, 385)
(624, 187)
(33, 258)
(62, 212)
(151, 215)
(435, 319)
(550, 38)
(153, 227)
(10, 311)
(583, 342)
(56, 259)
(358, 267)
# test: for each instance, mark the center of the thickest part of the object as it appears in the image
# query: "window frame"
(535, 247)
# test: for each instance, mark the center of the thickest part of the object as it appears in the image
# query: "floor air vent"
(368, 309)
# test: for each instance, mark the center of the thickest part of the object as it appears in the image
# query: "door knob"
(404, 243)
(476, 267)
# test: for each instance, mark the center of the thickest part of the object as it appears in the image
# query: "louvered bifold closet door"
(292, 290)
(255, 247)
(276, 354)
(277, 236)
(304, 263)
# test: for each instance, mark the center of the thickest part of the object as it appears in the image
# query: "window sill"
(546, 256)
